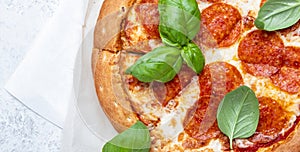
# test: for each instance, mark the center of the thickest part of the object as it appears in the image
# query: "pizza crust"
(107, 82)
(108, 27)
(105, 57)
(292, 143)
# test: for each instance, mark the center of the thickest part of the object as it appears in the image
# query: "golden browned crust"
(105, 58)
(292, 143)
(107, 30)
(111, 6)
(112, 97)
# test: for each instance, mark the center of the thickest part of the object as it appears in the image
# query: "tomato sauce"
(287, 79)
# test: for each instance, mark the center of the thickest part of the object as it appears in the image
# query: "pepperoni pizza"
(181, 114)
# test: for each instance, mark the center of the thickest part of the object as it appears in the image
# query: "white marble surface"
(21, 130)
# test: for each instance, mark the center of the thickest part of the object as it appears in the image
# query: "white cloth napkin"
(43, 80)
(55, 78)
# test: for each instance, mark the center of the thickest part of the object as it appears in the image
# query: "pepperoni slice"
(219, 78)
(264, 70)
(273, 119)
(164, 92)
(141, 27)
(223, 22)
(148, 16)
(263, 49)
(287, 79)
(200, 122)
(292, 57)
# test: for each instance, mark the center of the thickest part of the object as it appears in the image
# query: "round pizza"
(205, 75)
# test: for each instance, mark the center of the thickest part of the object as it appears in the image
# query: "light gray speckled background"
(21, 130)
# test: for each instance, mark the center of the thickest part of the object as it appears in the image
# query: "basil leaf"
(238, 114)
(192, 55)
(134, 139)
(161, 64)
(278, 14)
(179, 21)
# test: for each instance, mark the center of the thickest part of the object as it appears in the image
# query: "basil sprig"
(179, 24)
(134, 139)
(179, 21)
(238, 114)
(161, 64)
(278, 14)
(192, 55)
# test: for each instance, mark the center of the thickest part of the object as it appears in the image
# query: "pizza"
(181, 114)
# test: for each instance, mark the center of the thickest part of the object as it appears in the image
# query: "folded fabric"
(43, 80)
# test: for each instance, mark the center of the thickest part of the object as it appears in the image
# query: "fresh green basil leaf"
(193, 56)
(134, 139)
(278, 14)
(179, 21)
(161, 64)
(238, 114)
